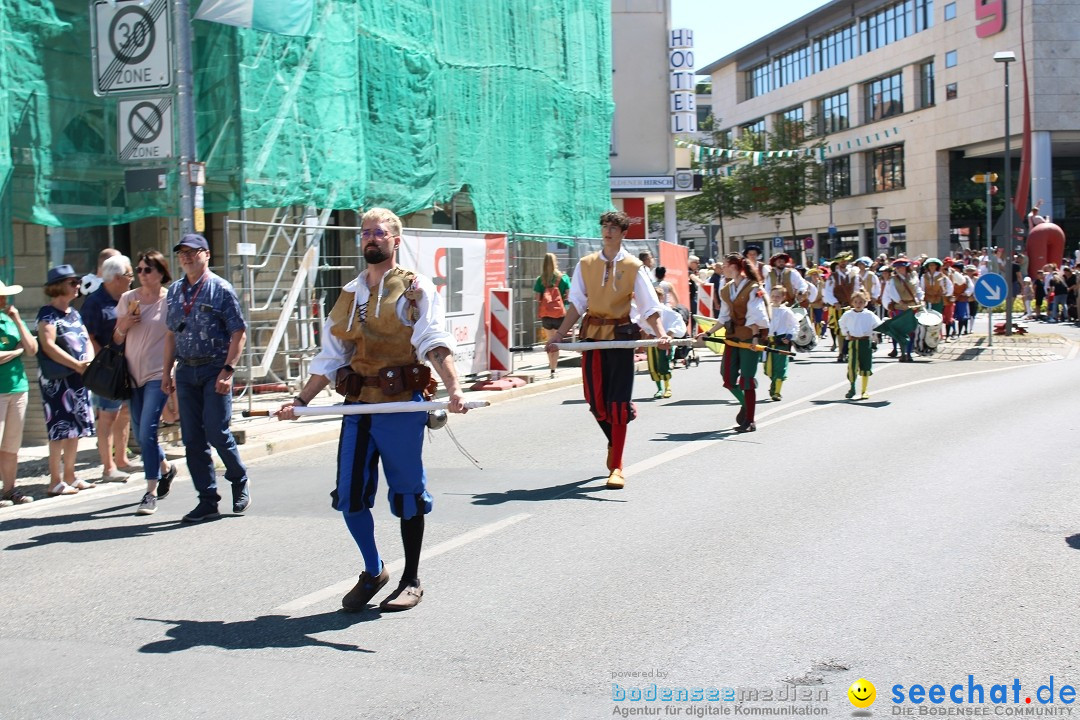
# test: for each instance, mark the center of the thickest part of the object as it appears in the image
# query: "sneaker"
(148, 506)
(205, 510)
(407, 595)
(241, 496)
(366, 588)
(165, 483)
(115, 475)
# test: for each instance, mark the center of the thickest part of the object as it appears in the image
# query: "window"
(950, 11)
(793, 66)
(759, 80)
(895, 22)
(755, 131)
(950, 91)
(792, 127)
(885, 168)
(723, 139)
(950, 59)
(836, 176)
(836, 47)
(884, 97)
(833, 112)
(926, 84)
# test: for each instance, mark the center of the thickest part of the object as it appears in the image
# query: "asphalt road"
(917, 537)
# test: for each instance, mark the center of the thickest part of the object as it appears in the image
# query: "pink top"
(144, 346)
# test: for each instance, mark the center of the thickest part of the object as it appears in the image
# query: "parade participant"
(902, 293)
(780, 274)
(601, 290)
(551, 288)
(660, 360)
(868, 281)
(956, 324)
(745, 316)
(782, 328)
(857, 325)
(842, 282)
(205, 336)
(972, 274)
(753, 254)
(649, 264)
(817, 303)
(383, 323)
(935, 285)
(693, 272)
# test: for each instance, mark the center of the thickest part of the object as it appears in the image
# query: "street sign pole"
(989, 220)
(185, 103)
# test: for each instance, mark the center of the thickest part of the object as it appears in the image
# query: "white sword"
(368, 408)
(621, 344)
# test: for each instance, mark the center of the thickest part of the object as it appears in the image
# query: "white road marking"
(340, 588)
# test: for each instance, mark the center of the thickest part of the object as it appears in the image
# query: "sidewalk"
(262, 436)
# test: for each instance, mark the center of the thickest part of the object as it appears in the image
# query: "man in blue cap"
(205, 337)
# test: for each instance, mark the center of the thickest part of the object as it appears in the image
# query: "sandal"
(18, 498)
(62, 488)
(81, 485)
(658, 394)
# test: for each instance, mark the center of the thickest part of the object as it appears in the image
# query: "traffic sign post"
(883, 230)
(990, 290)
(131, 46)
(145, 129)
(778, 243)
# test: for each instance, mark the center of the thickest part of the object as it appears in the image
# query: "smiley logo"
(862, 693)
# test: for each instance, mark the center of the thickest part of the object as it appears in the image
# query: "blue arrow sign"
(991, 290)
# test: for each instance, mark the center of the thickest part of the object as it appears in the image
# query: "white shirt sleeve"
(830, 298)
(576, 295)
(644, 295)
(798, 282)
(812, 292)
(756, 312)
(783, 322)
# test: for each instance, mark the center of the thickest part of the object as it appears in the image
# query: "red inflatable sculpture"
(1045, 244)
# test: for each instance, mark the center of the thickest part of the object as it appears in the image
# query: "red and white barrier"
(705, 300)
(500, 300)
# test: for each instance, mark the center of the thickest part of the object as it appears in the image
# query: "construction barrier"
(500, 300)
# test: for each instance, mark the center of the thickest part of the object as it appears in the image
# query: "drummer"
(901, 294)
(780, 274)
(935, 285)
(843, 281)
(817, 299)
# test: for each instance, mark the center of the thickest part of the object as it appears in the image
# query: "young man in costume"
(383, 323)
(868, 281)
(842, 282)
(902, 293)
(745, 316)
(603, 285)
(781, 275)
(857, 325)
(935, 285)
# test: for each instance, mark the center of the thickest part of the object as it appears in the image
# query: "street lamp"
(873, 228)
(1005, 58)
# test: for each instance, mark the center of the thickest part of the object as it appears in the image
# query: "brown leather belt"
(606, 321)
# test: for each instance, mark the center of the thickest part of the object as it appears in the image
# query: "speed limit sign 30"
(131, 45)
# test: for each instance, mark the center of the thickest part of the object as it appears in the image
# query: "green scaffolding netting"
(401, 104)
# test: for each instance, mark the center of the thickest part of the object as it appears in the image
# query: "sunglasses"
(145, 270)
(376, 233)
(74, 282)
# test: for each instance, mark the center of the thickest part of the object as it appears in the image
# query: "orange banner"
(675, 258)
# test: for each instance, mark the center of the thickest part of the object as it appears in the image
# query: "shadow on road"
(21, 523)
(95, 534)
(567, 491)
(266, 631)
(860, 403)
(1073, 541)
(692, 437)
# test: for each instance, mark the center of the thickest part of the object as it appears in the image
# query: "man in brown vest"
(383, 323)
(601, 289)
(842, 282)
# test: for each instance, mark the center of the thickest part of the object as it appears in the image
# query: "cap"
(192, 240)
(901, 262)
(864, 260)
(845, 256)
(755, 248)
(780, 256)
(60, 272)
(927, 261)
(1027, 279)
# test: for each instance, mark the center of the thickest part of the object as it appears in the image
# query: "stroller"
(687, 354)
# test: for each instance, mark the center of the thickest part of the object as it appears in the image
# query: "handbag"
(107, 375)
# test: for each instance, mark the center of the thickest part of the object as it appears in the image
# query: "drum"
(805, 339)
(928, 334)
(929, 318)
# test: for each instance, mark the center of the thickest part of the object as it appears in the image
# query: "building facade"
(911, 103)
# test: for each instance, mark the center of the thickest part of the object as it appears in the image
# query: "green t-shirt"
(564, 285)
(12, 373)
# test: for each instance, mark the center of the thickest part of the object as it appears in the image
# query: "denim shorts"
(103, 403)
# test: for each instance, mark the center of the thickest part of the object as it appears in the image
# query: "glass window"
(836, 47)
(950, 11)
(950, 59)
(885, 168)
(759, 80)
(896, 22)
(755, 131)
(884, 97)
(793, 66)
(833, 113)
(792, 126)
(950, 91)
(836, 176)
(926, 84)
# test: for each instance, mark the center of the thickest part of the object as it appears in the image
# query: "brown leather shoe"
(406, 596)
(357, 599)
(615, 480)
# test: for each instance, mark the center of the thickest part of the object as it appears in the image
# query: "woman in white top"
(140, 326)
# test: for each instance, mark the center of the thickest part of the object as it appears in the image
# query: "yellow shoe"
(865, 396)
(616, 480)
(667, 393)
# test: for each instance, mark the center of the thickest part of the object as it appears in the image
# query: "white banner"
(457, 264)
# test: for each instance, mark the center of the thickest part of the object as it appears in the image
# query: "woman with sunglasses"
(67, 351)
(140, 327)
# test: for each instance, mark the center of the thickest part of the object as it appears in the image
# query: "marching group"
(178, 341)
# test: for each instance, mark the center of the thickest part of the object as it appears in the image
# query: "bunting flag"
(283, 17)
(703, 152)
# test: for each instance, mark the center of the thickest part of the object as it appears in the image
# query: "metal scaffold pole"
(185, 101)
